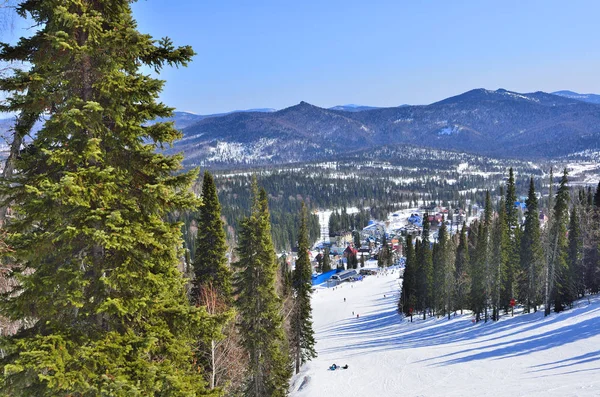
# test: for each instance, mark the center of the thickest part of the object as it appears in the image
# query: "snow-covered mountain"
(590, 98)
(353, 108)
(495, 123)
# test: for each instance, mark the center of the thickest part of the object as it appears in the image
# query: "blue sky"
(253, 54)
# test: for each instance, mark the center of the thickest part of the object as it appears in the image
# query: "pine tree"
(461, 275)
(95, 259)
(326, 261)
(558, 270)
(302, 336)
(210, 261)
(576, 271)
(512, 244)
(511, 198)
(532, 255)
(592, 244)
(258, 304)
(425, 270)
(499, 256)
(407, 295)
(480, 271)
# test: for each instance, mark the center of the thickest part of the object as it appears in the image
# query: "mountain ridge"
(495, 123)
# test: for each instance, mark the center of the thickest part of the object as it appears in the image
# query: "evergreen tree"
(461, 275)
(576, 271)
(532, 255)
(425, 270)
(592, 244)
(210, 261)
(95, 259)
(302, 336)
(407, 295)
(511, 198)
(326, 261)
(480, 272)
(512, 245)
(258, 304)
(558, 269)
(499, 256)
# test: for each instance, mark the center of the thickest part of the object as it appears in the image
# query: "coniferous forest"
(126, 274)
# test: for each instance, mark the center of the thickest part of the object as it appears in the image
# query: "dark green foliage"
(559, 272)
(258, 304)
(511, 198)
(210, 261)
(408, 297)
(461, 271)
(95, 259)
(597, 197)
(326, 260)
(532, 256)
(499, 257)
(302, 338)
(576, 271)
(384, 258)
(424, 270)
(480, 264)
(443, 273)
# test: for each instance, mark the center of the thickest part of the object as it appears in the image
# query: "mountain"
(495, 123)
(590, 98)
(353, 108)
(185, 119)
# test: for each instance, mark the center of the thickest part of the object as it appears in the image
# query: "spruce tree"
(326, 261)
(532, 255)
(511, 198)
(499, 256)
(95, 260)
(558, 269)
(461, 269)
(302, 336)
(210, 261)
(407, 294)
(258, 305)
(512, 245)
(576, 271)
(425, 270)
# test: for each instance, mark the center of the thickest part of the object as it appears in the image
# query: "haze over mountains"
(494, 123)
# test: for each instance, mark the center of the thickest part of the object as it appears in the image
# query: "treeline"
(499, 260)
(374, 189)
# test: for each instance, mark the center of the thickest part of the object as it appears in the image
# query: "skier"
(344, 299)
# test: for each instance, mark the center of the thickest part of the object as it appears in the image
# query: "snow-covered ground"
(526, 355)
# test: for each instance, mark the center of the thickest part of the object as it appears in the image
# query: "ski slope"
(524, 355)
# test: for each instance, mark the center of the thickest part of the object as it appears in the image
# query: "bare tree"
(223, 357)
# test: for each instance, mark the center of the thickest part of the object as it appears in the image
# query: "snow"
(525, 355)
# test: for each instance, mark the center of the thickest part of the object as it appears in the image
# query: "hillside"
(525, 355)
(496, 123)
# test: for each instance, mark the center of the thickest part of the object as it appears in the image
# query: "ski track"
(524, 355)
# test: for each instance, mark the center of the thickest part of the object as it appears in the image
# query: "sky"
(276, 53)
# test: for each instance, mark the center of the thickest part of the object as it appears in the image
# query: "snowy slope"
(526, 355)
